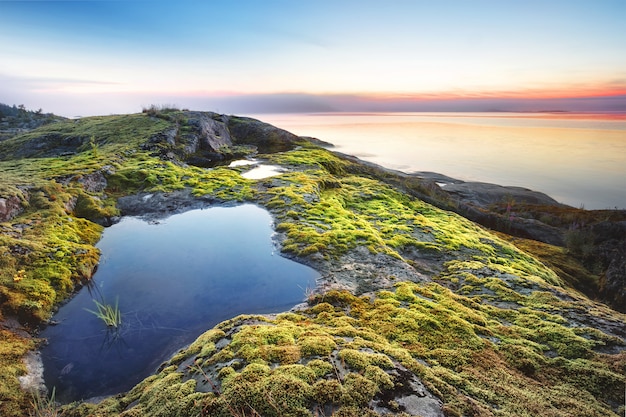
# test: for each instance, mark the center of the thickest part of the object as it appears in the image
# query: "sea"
(578, 159)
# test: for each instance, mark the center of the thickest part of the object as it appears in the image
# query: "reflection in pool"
(174, 279)
(263, 171)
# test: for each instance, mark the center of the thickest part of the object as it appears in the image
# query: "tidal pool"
(173, 279)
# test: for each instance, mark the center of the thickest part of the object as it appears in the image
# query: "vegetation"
(16, 119)
(347, 351)
(44, 406)
(13, 347)
(108, 313)
(490, 330)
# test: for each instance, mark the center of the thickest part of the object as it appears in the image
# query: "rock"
(166, 137)
(484, 194)
(475, 199)
(95, 182)
(157, 205)
(212, 134)
(265, 137)
(50, 145)
(409, 395)
(200, 140)
(33, 380)
(10, 207)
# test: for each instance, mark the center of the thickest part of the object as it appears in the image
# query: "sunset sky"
(102, 57)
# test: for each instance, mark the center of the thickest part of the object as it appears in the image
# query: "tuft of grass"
(44, 406)
(109, 314)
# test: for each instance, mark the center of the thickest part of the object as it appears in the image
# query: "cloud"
(63, 96)
(303, 103)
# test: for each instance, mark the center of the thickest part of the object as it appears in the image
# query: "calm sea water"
(578, 159)
(173, 280)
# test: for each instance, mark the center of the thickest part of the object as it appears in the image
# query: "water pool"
(173, 278)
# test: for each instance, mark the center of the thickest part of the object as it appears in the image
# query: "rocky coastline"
(419, 311)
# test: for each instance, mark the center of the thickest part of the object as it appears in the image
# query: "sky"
(273, 56)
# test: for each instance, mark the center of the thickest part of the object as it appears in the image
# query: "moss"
(316, 343)
(90, 208)
(320, 367)
(258, 390)
(378, 377)
(13, 400)
(508, 372)
(360, 360)
(108, 132)
(327, 391)
(358, 390)
(55, 253)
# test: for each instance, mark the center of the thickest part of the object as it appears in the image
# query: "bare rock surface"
(10, 207)
(483, 194)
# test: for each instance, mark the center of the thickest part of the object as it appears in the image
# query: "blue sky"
(102, 57)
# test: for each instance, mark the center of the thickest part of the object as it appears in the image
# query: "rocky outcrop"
(265, 137)
(449, 319)
(157, 205)
(475, 201)
(50, 145)
(15, 120)
(10, 207)
(205, 139)
(210, 129)
(482, 194)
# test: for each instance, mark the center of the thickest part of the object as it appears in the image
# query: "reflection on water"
(576, 159)
(263, 171)
(259, 171)
(174, 279)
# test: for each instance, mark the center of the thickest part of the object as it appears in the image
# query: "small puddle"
(259, 171)
(242, 163)
(263, 171)
(174, 279)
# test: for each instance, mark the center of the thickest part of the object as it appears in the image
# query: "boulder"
(10, 207)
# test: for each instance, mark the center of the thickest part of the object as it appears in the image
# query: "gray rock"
(10, 207)
(159, 205)
(484, 194)
(212, 134)
(33, 380)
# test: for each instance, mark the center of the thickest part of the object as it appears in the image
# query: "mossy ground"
(496, 334)
(346, 352)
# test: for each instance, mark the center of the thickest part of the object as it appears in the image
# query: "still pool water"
(174, 279)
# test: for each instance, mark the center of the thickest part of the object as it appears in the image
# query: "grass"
(43, 406)
(108, 313)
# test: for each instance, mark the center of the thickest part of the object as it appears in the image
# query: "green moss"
(327, 391)
(258, 390)
(316, 343)
(108, 132)
(358, 211)
(320, 367)
(508, 373)
(378, 377)
(360, 360)
(13, 400)
(358, 390)
(46, 254)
